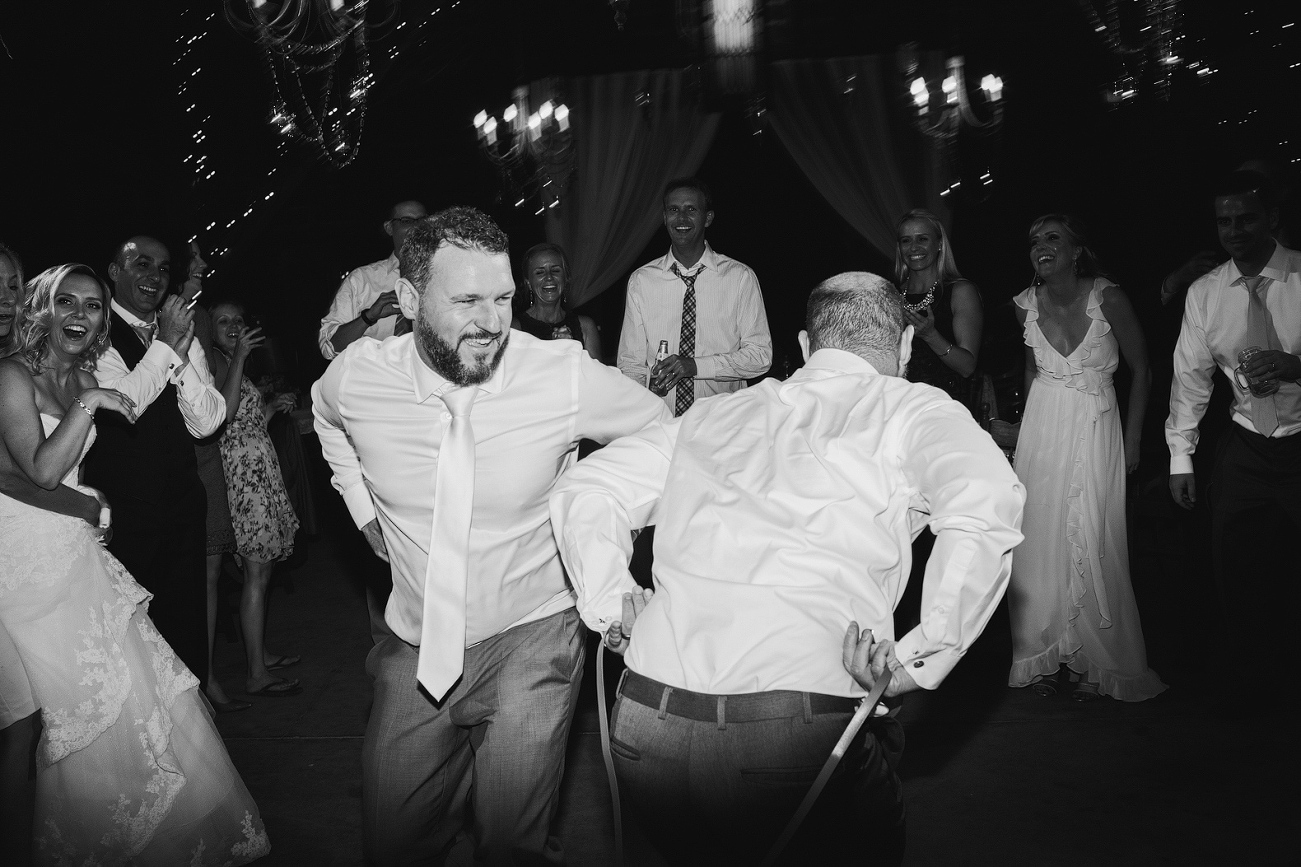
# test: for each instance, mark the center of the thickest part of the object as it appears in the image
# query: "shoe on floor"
(278, 689)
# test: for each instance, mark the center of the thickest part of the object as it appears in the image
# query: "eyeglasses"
(406, 221)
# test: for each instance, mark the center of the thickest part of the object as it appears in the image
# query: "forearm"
(63, 500)
(1139, 392)
(61, 451)
(348, 332)
(956, 357)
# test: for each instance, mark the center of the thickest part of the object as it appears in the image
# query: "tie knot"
(689, 278)
(459, 400)
(1254, 284)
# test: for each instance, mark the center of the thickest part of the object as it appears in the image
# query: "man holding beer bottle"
(698, 309)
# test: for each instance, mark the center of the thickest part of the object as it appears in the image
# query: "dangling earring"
(1075, 264)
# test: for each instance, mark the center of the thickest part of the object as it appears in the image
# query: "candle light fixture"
(532, 148)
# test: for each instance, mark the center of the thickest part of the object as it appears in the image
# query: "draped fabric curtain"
(625, 153)
(848, 131)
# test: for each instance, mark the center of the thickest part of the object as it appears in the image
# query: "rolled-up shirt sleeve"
(337, 447)
(975, 503)
(595, 507)
(1190, 390)
(753, 353)
(343, 309)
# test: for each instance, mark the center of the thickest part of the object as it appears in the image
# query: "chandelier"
(532, 147)
(316, 53)
(1145, 38)
(943, 109)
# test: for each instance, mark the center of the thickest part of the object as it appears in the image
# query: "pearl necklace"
(922, 304)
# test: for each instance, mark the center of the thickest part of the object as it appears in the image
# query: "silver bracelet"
(85, 408)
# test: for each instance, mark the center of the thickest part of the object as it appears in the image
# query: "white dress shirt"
(732, 339)
(784, 512)
(1214, 330)
(381, 423)
(201, 404)
(356, 293)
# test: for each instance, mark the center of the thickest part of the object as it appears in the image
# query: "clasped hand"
(1271, 365)
(868, 660)
(176, 325)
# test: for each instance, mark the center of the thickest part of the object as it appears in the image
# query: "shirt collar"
(708, 259)
(128, 317)
(427, 383)
(391, 263)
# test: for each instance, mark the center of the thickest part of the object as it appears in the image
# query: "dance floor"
(1199, 775)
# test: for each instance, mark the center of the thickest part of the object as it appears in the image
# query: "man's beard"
(446, 361)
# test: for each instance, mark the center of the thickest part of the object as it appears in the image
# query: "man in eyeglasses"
(366, 303)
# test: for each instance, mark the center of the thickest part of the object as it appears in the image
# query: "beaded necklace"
(922, 304)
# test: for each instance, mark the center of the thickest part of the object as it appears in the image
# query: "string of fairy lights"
(333, 129)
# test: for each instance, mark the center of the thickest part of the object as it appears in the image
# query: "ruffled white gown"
(1070, 597)
(131, 769)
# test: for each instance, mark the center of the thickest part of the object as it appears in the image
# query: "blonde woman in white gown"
(130, 769)
(1070, 598)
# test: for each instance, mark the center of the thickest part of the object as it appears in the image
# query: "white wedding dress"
(130, 768)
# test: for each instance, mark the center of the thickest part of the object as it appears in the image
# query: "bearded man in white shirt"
(784, 518)
(444, 444)
(148, 469)
(706, 305)
(366, 303)
(1253, 300)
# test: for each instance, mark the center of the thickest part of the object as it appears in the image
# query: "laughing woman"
(1070, 599)
(941, 305)
(130, 768)
(545, 280)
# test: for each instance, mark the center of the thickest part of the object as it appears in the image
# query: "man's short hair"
(458, 226)
(1244, 182)
(856, 312)
(692, 183)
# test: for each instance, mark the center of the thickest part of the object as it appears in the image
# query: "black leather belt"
(742, 707)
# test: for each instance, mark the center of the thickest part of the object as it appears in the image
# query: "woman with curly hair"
(129, 766)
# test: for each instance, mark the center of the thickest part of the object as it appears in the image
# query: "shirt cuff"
(707, 367)
(1181, 464)
(928, 669)
(360, 505)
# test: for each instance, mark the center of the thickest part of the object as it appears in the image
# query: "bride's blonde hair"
(38, 312)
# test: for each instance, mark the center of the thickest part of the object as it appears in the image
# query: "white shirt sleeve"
(343, 310)
(632, 360)
(146, 381)
(753, 354)
(1190, 390)
(595, 507)
(975, 502)
(202, 406)
(337, 447)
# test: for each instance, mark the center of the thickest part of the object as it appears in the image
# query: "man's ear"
(114, 270)
(709, 219)
(803, 338)
(905, 347)
(388, 228)
(408, 298)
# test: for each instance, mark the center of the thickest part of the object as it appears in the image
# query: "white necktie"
(442, 631)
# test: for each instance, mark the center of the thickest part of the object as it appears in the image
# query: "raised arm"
(1129, 335)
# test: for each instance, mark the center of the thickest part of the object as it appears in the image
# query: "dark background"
(97, 143)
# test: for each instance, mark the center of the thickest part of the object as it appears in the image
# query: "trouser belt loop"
(722, 712)
(808, 707)
(623, 676)
(664, 700)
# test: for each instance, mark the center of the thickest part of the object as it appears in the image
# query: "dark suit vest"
(152, 459)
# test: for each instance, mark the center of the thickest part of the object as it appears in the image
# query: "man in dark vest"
(148, 470)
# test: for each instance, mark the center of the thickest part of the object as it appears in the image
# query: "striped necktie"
(687, 341)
